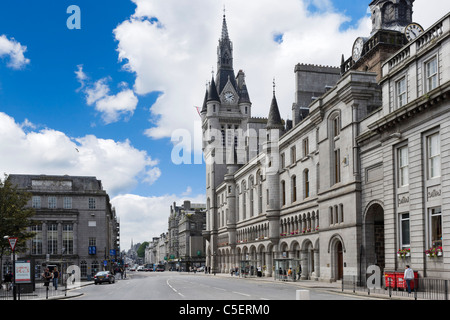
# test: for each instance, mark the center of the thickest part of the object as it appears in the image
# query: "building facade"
(183, 245)
(321, 192)
(75, 223)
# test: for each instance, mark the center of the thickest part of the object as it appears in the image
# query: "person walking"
(55, 278)
(47, 275)
(408, 276)
(8, 280)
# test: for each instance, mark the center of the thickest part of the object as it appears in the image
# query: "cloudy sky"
(111, 99)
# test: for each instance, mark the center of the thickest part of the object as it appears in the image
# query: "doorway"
(340, 262)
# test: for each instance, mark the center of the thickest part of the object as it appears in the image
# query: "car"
(140, 268)
(104, 276)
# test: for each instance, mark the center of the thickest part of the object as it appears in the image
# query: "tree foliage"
(141, 251)
(14, 216)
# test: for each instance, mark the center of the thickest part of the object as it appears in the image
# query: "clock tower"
(225, 118)
(392, 28)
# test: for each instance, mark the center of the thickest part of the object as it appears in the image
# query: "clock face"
(412, 31)
(357, 49)
(229, 97)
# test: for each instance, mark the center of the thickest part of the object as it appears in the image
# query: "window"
(52, 238)
(305, 147)
(36, 241)
(330, 211)
(36, 202)
(431, 68)
(294, 188)
(336, 126)
(435, 227)
(337, 166)
(434, 156)
(401, 92)
(403, 172)
(52, 202)
(251, 190)
(92, 242)
(67, 203)
(91, 203)
(283, 193)
(306, 183)
(67, 238)
(404, 230)
(293, 155)
(282, 161)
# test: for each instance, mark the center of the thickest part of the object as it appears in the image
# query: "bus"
(160, 268)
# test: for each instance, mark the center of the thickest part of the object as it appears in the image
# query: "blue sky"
(119, 87)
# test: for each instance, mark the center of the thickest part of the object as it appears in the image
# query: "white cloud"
(119, 165)
(176, 55)
(112, 107)
(173, 52)
(15, 51)
(142, 218)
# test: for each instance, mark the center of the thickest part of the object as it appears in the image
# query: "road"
(183, 286)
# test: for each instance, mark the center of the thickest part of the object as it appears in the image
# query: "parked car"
(104, 276)
(201, 269)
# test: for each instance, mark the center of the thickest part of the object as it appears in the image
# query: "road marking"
(242, 294)
(175, 290)
(221, 289)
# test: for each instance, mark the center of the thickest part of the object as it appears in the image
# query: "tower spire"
(225, 35)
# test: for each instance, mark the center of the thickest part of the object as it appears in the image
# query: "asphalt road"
(183, 286)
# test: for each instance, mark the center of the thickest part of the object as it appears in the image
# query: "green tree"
(14, 217)
(141, 250)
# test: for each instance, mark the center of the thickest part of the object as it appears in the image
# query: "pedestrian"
(55, 278)
(8, 280)
(290, 273)
(47, 275)
(408, 276)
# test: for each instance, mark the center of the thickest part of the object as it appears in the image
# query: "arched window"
(294, 188)
(251, 189)
(283, 193)
(244, 201)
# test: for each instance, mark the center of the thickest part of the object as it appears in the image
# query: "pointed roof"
(243, 94)
(213, 95)
(274, 120)
(225, 35)
(204, 108)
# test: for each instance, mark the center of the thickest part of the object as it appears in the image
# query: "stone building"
(322, 192)
(75, 223)
(403, 150)
(183, 245)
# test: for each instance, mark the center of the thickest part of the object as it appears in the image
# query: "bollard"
(302, 295)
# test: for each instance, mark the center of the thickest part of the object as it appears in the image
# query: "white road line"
(175, 290)
(221, 289)
(242, 294)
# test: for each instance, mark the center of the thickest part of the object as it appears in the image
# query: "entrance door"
(340, 262)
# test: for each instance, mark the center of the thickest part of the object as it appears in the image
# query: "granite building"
(75, 223)
(354, 178)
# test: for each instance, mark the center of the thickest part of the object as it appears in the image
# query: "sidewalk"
(335, 287)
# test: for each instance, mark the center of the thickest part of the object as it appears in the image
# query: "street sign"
(23, 271)
(12, 243)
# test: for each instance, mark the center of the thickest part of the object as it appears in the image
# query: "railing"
(40, 292)
(421, 288)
